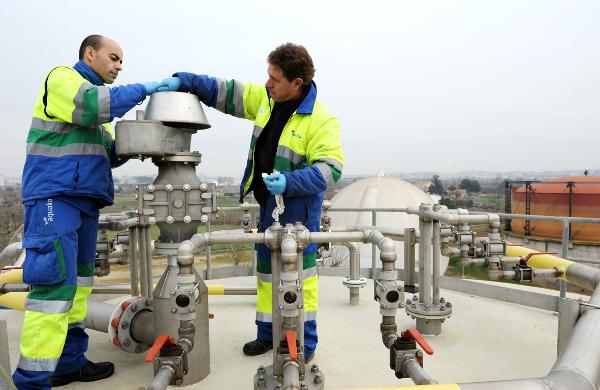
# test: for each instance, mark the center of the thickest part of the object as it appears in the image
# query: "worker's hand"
(169, 84)
(151, 87)
(275, 183)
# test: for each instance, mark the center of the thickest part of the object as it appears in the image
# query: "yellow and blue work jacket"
(70, 147)
(309, 154)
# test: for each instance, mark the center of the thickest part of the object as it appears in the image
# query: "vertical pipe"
(436, 247)
(354, 270)
(373, 247)
(253, 265)
(425, 256)
(141, 241)
(300, 318)
(409, 257)
(570, 185)
(275, 314)
(422, 245)
(564, 252)
(208, 255)
(133, 265)
(291, 376)
(148, 249)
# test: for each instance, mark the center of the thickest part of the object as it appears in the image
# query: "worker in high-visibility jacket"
(295, 135)
(66, 180)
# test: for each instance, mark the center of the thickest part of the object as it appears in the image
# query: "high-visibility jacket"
(70, 141)
(309, 154)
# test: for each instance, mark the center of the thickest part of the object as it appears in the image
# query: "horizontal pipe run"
(547, 218)
(8, 288)
(583, 261)
(393, 233)
(14, 276)
(162, 378)
(456, 219)
(416, 372)
(325, 237)
(11, 251)
(15, 301)
(579, 274)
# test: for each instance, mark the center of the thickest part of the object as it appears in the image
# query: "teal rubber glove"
(275, 183)
(169, 84)
(151, 87)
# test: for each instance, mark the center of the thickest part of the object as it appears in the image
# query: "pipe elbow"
(185, 253)
(388, 250)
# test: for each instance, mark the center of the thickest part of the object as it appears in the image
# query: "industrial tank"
(378, 192)
(577, 196)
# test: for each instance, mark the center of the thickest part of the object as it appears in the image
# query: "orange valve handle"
(158, 344)
(413, 333)
(291, 342)
(530, 255)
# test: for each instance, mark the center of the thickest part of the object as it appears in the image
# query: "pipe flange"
(313, 378)
(362, 282)
(119, 326)
(439, 311)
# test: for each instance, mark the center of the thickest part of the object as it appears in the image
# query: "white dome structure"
(378, 192)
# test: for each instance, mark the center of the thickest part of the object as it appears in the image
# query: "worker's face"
(107, 61)
(280, 88)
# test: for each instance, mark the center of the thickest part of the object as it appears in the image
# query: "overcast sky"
(417, 85)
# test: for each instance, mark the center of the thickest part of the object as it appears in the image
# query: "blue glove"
(151, 87)
(169, 84)
(275, 183)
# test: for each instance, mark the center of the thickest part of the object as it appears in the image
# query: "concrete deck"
(483, 340)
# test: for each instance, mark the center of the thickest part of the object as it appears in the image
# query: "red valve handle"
(158, 344)
(291, 343)
(530, 255)
(413, 333)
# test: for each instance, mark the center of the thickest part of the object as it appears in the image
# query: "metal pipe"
(148, 251)
(393, 233)
(142, 327)
(547, 218)
(389, 330)
(354, 270)
(141, 244)
(580, 359)
(162, 379)
(133, 265)
(275, 314)
(6, 288)
(291, 376)
(425, 261)
(98, 316)
(11, 252)
(325, 237)
(409, 257)
(300, 318)
(436, 248)
(416, 372)
(373, 247)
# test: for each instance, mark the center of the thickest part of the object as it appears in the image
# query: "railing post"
(373, 246)
(208, 255)
(565, 255)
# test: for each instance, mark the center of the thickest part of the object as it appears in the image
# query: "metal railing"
(565, 240)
